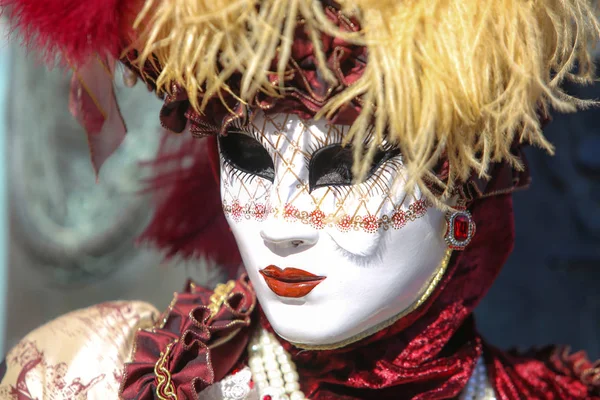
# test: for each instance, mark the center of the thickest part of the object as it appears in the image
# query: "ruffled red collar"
(195, 343)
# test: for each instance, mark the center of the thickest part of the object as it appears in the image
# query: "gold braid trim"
(165, 390)
(221, 293)
(164, 387)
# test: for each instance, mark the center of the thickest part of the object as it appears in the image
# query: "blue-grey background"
(549, 291)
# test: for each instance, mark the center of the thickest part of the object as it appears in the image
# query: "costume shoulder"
(78, 355)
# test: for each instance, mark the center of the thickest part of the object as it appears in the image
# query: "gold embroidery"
(164, 387)
(219, 296)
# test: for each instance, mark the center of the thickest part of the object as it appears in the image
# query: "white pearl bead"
(278, 382)
(268, 349)
(259, 377)
(255, 363)
(257, 370)
(271, 365)
(291, 387)
(265, 340)
(269, 358)
(297, 395)
(274, 374)
(291, 376)
(283, 358)
(286, 367)
(272, 369)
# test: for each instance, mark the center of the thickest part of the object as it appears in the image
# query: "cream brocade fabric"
(78, 356)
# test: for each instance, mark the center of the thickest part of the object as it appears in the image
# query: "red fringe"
(73, 30)
(189, 220)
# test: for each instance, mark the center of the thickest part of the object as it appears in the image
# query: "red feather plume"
(73, 30)
(189, 221)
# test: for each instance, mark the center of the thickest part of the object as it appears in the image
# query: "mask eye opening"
(331, 165)
(244, 153)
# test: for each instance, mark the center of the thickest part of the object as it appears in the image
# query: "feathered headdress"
(458, 79)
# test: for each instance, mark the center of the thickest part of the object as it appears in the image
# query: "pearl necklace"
(273, 371)
(478, 387)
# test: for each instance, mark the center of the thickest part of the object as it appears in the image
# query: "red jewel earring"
(460, 228)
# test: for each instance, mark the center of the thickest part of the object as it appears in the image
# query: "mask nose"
(287, 235)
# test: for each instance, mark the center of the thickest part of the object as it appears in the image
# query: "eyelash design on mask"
(378, 183)
(334, 135)
(251, 130)
(231, 170)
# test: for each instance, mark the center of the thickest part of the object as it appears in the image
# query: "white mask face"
(330, 261)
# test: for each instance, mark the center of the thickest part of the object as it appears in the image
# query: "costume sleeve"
(77, 356)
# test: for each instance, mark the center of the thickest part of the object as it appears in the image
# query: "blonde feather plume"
(460, 77)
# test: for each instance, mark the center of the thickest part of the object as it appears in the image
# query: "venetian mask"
(331, 260)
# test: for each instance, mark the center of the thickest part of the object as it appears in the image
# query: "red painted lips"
(290, 282)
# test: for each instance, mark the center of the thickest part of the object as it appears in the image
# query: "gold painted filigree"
(378, 203)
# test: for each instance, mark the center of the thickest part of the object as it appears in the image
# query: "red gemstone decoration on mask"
(461, 227)
(267, 397)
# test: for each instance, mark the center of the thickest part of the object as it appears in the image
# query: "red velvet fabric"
(550, 373)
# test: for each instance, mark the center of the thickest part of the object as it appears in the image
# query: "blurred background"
(67, 242)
